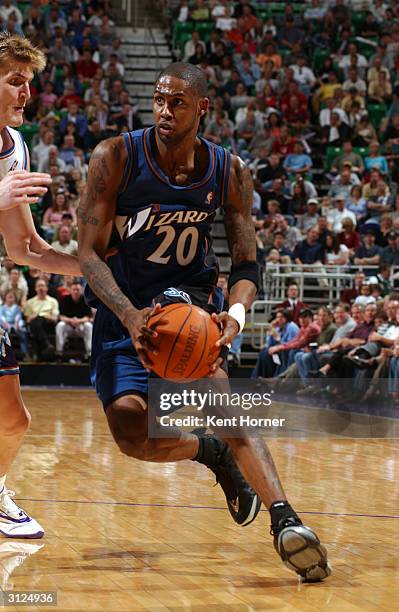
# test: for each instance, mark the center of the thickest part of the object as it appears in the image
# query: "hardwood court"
(124, 536)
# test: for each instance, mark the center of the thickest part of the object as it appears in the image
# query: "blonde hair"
(15, 48)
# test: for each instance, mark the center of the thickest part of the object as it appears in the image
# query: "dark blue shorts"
(8, 361)
(115, 368)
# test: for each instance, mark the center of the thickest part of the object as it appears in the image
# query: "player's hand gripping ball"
(185, 342)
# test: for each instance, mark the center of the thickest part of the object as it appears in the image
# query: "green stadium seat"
(331, 154)
(319, 56)
(179, 28)
(181, 33)
(361, 151)
(28, 130)
(365, 49)
(276, 8)
(183, 38)
(377, 112)
(357, 21)
(263, 13)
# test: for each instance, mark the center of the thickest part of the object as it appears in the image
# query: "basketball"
(186, 342)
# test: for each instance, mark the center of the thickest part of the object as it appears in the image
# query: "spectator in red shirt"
(86, 68)
(249, 19)
(293, 303)
(292, 89)
(295, 114)
(70, 96)
(284, 144)
(349, 295)
(349, 236)
(308, 333)
(236, 35)
(269, 97)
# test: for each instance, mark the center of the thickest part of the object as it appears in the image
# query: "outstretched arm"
(22, 187)
(23, 243)
(26, 247)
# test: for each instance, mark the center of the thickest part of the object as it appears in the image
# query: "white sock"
(2, 482)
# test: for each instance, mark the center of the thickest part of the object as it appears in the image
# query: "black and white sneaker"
(300, 550)
(242, 501)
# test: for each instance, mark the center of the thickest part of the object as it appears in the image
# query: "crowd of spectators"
(40, 312)
(80, 99)
(308, 94)
(356, 341)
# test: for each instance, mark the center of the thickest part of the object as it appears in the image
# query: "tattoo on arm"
(96, 186)
(103, 283)
(97, 208)
(240, 229)
(85, 218)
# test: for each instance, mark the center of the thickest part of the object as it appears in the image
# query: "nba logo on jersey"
(209, 198)
(176, 293)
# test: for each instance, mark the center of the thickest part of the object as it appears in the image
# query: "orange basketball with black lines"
(186, 342)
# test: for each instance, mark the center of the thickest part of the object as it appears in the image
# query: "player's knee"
(129, 429)
(15, 421)
(137, 448)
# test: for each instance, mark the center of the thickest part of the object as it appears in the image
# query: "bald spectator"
(64, 243)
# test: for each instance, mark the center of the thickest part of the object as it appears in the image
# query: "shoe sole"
(301, 551)
(30, 536)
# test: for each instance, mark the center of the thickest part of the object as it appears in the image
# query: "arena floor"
(124, 536)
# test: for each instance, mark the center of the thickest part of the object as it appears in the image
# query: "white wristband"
(237, 311)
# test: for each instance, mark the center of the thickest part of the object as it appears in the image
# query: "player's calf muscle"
(14, 417)
(15, 421)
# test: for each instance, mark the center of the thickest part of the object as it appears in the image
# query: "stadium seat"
(319, 56)
(331, 154)
(377, 112)
(28, 130)
(204, 28)
(263, 13)
(361, 151)
(181, 28)
(357, 21)
(276, 8)
(182, 33)
(183, 38)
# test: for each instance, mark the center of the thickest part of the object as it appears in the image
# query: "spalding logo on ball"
(186, 342)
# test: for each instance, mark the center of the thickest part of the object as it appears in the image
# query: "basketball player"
(144, 226)
(18, 188)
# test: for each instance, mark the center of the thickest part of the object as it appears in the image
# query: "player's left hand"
(230, 330)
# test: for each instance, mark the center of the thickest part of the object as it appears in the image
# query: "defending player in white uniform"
(18, 188)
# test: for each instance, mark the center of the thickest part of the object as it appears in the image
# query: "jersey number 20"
(186, 245)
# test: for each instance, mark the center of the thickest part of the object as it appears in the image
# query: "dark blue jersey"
(161, 235)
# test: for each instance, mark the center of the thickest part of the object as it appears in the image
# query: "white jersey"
(15, 157)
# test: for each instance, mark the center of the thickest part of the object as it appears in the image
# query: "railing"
(331, 280)
(328, 281)
(150, 41)
(131, 10)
